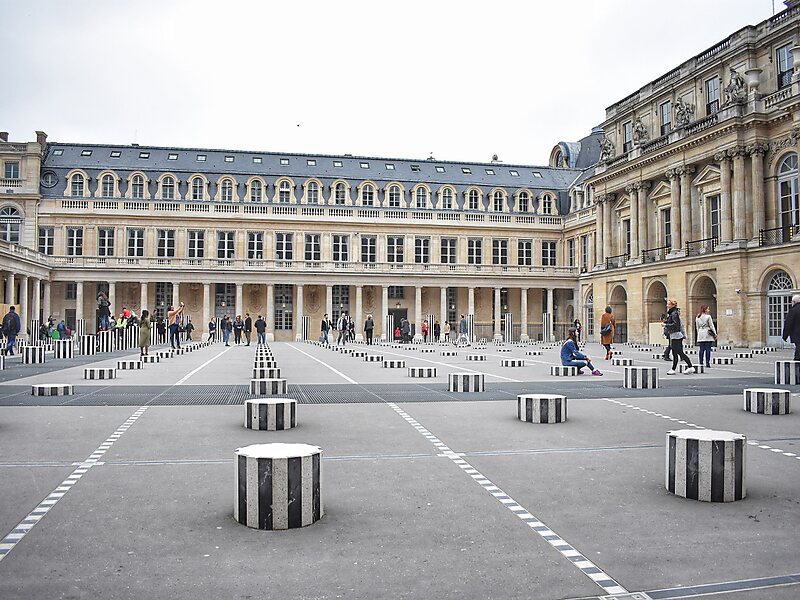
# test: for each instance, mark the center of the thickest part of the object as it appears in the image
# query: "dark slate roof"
(589, 154)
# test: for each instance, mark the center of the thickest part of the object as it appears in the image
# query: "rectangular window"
(71, 291)
(86, 152)
(115, 154)
(514, 173)
(313, 247)
(452, 298)
(440, 169)
(172, 156)
(12, 169)
(389, 167)
(105, 241)
(369, 249)
(340, 299)
(135, 243)
(499, 252)
(415, 168)
(144, 155)
(448, 251)
(201, 157)
(257, 160)
(525, 253)
(166, 243)
(364, 165)
(549, 249)
(666, 219)
(713, 210)
(255, 245)
(626, 236)
(394, 248)
(422, 250)
(627, 136)
(337, 164)
(311, 162)
(46, 239)
(284, 306)
(571, 252)
(396, 292)
(665, 109)
(584, 253)
(168, 189)
(712, 95)
(229, 159)
(77, 185)
(163, 298)
(284, 246)
(341, 248)
(466, 170)
(196, 243)
(475, 251)
(783, 63)
(225, 245)
(284, 162)
(74, 241)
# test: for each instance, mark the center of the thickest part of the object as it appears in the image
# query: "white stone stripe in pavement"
(324, 364)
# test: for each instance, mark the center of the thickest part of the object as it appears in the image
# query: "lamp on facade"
(397, 306)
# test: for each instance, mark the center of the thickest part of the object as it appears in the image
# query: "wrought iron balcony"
(777, 235)
(655, 254)
(616, 262)
(700, 247)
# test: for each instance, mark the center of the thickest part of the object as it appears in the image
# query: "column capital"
(757, 149)
(671, 174)
(736, 153)
(629, 188)
(686, 171)
(721, 156)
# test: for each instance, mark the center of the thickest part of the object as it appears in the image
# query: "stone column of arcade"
(359, 314)
(523, 315)
(498, 331)
(270, 312)
(418, 315)
(206, 306)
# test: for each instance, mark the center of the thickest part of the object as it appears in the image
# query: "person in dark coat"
(791, 326)
(261, 330)
(369, 327)
(11, 327)
(248, 327)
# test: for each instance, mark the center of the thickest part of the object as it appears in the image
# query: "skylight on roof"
(228, 159)
(466, 170)
(115, 154)
(537, 174)
(86, 152)
(144, 155)
(58, 152)
(337, 163)
(440, 169)
(201, 157)
(311, 162)
(256, 160)
(514, 173)
(415, 168)
(389, 167)
(364, 165)
(284, 161)
(490, 171)
(172, 156)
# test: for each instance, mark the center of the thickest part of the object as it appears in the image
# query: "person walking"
(248, 327)
(405, 331)
(341, 327)
(351, 329)
(324, 328)
(791, 326)
(225, 325)
(572, 357)
(446, 331)
(261, 330)
(11, 327)
(369, 327)
(706, 334)
(212, 331)
(238, 327)
(161, 329)
(103, 311)
(677, 334)
(189, 329)
(174, 315)
(61, 328)
(607, 326)
(462, 331)
(425, 329)
(144, 333)
(437, 330)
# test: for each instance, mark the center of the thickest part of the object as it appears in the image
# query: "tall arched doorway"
(588, 316)
(656, 302)
(618, 301)
(704, 291)
(779, 299)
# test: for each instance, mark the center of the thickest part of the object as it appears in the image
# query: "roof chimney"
(3, 136)
(41, 138)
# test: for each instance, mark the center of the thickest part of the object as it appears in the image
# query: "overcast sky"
(460, 79)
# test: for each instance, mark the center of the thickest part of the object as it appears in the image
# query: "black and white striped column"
(476, 357)
(88, 345)
(80, 327)
(765, 401)
(422, 372)
(63, 349)
(743, 355)
(265, 364)
(622, 362)
(563, 371)
(150, 358)
(787, 372)
(105, 341)
(533, 353)
(99, 373)
(721, 360)
(51, 389)
(266, 373)
(640, 378)
(373, 357)
(268, 387)
(512, 362)
(32, 354)
(270, 414)
(465, 382)
(706, 465)
(394, 364)
(129, 365)
(449, 353)
(34, 329)
(542, 408)
(278, 486)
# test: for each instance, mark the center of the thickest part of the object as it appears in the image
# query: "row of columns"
(28, 307)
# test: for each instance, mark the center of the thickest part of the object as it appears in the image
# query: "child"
(572, 357)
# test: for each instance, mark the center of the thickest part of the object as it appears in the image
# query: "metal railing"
(616, 262)
(655, 254)
(699, 247)
(777, 235)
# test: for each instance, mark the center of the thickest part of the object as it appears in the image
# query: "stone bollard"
(721, 360)
(533, 353)
(743, 355)
(373, 357)
(99, 373)
(63, 349)
(622, 362)
(476, 357)
(266, 373)
(641, 378)
(542, 408)
(765, 401)
(278, 486)
(562, 371)
(270, 414)
(465, 382)
(125, 365)
(449, 353)
(787, 372)
(394, 364)
(150, 358)
(512, 362)
(32, 355)
(268, 387)
(422, 372)
(706, 465)
(51, 389)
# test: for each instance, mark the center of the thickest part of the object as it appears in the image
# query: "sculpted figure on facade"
(640, 133)
(736, 90)
(607, 151)
(684, 112)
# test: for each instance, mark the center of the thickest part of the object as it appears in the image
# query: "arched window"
(394, 196)
(198, 189)
(789, 205)
(558, 159)
(422, 198)
(779, 301)
(473, 200)
(312, 192)
(137, 187)
(285, 192)
(10, 221)
(498, 201)
(524, 202)
(77, 184)
(368, 195)
(339, 193)
(108, 186)
(447, 198)
(168, 188)
(226, 190)
(255, 191)
(547, 205)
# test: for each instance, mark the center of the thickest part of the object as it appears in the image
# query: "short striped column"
(765, 401)
(787, 372)
(465, 382)
(270, 414)
(743, 355)
(694, 369)
(394, 364)
(542, 408)
(373, 357)
(504, 349)
(150, 358)
(129, 365)
(51, 389)
(268, 387)
(105, 341)
(721, 360)
(422, 372)
(2, 362)
(449, 353)
(164, 354)
(706, 465)
(32, 355)
(99, 373)
(476, 357)
(533, 353)
(563, 371)
(641, 378)
(63, 349)
(265, 364)
(427, 350)
(622, 362)
(512, 362)
(358, 353)
(266, 373)
(278, 486)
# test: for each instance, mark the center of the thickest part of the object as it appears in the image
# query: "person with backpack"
(677, 333)
(607, 326)
(103, 312)
(706, 334)
(11, 328)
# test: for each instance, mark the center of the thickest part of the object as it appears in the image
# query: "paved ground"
(427, 493)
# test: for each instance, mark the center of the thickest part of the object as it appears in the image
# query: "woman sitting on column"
(572, 357)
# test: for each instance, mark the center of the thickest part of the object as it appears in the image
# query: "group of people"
(345, 327)
(240, 328)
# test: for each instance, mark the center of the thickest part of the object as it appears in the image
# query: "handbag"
(606, 330)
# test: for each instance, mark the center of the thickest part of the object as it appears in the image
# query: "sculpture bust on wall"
(606, 149)
(640, 133)
(684, 113)
(735, 91)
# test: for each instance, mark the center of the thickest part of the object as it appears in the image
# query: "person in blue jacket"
(572, 357)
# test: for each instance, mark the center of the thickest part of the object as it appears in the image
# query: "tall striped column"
(35, 338)
(706, 465)
(88, 345)
(63, 349)
(787, 372)
(278, 486)
(80, 327)
(105, 340)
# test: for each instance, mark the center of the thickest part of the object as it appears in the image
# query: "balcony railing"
(777, 235)
(616, 262)
(699, 247)
(652, 255)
